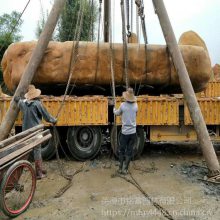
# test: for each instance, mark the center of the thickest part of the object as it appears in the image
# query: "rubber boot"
(44, 171)
(121, 160)
(40, 173)
(126, 165)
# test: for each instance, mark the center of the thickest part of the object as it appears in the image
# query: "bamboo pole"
(32, 66)
(185, 83)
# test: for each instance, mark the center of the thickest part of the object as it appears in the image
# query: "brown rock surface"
(2, 94)
(192, 38)
(54, 67)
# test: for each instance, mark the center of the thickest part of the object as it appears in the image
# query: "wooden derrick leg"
(195, 112)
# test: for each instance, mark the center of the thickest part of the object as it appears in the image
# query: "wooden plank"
(24, 149)
(14, 160)
(20, 135)
(7, 151)
(19, 141)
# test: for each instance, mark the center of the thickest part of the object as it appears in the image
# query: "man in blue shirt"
(128, 111)
(33, 111)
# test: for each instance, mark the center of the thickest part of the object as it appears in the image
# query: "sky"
(201, 16)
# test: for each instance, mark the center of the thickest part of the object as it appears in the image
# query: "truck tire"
(48, 149)
(139, 142)
(84, 142)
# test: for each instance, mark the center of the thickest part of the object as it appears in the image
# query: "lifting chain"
(140, 6)
(134, 182)
(128, 18)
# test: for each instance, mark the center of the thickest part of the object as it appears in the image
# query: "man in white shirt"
(128, 111)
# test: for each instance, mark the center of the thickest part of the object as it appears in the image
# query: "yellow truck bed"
(152, 110)
(76, 110)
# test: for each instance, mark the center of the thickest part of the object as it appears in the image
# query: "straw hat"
(32, 92)
(129, 95)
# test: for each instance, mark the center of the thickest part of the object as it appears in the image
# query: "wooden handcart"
(17, 175)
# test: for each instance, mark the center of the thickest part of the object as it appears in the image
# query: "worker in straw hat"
(128, 111)
(33, 111)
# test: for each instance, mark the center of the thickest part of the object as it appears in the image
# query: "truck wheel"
(84, 142)
(48, 149)
(139, 142)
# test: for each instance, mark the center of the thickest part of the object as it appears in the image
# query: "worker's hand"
(17, 98)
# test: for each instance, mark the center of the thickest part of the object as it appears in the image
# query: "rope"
(125, 48)
(16, 23)
(74, 54)
(134, 182)
(73, 59)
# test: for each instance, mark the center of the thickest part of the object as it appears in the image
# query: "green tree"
(68, 19)
(9, 32)
(40, 25)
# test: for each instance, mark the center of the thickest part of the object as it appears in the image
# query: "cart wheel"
(17, 188)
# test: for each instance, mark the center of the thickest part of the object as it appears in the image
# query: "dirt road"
(170, 176)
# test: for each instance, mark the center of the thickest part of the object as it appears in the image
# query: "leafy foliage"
(8, 22)
(68, 20)
(40, 25)
(9, 32)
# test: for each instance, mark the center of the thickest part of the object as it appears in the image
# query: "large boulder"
(158, 72)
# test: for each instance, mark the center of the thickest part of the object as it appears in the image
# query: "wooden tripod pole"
(194, 109)
(32, 66)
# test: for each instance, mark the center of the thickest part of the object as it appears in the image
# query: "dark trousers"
(126, 145)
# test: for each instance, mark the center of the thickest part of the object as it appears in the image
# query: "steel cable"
(134, 182)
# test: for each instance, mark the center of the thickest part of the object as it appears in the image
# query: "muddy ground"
(171, 175)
